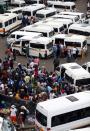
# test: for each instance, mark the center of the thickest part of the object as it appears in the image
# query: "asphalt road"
(80, 6)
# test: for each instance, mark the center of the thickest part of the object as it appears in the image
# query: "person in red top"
(36, 71)
(13, 111)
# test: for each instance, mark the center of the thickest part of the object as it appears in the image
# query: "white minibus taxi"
(32, 9)
(66, 66)
(77, 76)
(38, 46)
(80, 29)
(9, 22)
(59, 38)
(63, 113)
(61, 5)
(78, 41)
(66, 22)
(57, 26)
(81, 16)
(17, 10)
(75, 19)
(46, 31)
(18, 34)
(45, 13)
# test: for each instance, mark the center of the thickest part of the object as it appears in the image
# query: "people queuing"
(61, 51)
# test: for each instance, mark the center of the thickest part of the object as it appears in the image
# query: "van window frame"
(78, 83)
(1, 25)
(70, 116)
(50, 14)
(12, 36)
(37, 46)
(14, 19)
(6, 23)
(61, 29)
(79, 32)
(41, 118)
(73, 44)
(19, 36)
(40, 16)
(10, 21)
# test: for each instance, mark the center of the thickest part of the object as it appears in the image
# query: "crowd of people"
(71, 55)
(31, 82)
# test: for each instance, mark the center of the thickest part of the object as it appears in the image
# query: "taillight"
(48, 129)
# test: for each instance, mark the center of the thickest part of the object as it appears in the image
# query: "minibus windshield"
(42, 119)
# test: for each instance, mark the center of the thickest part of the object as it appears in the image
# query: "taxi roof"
(33, 7)
(75, 38)
(7, 16)
(46, 11)
(83, 99)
